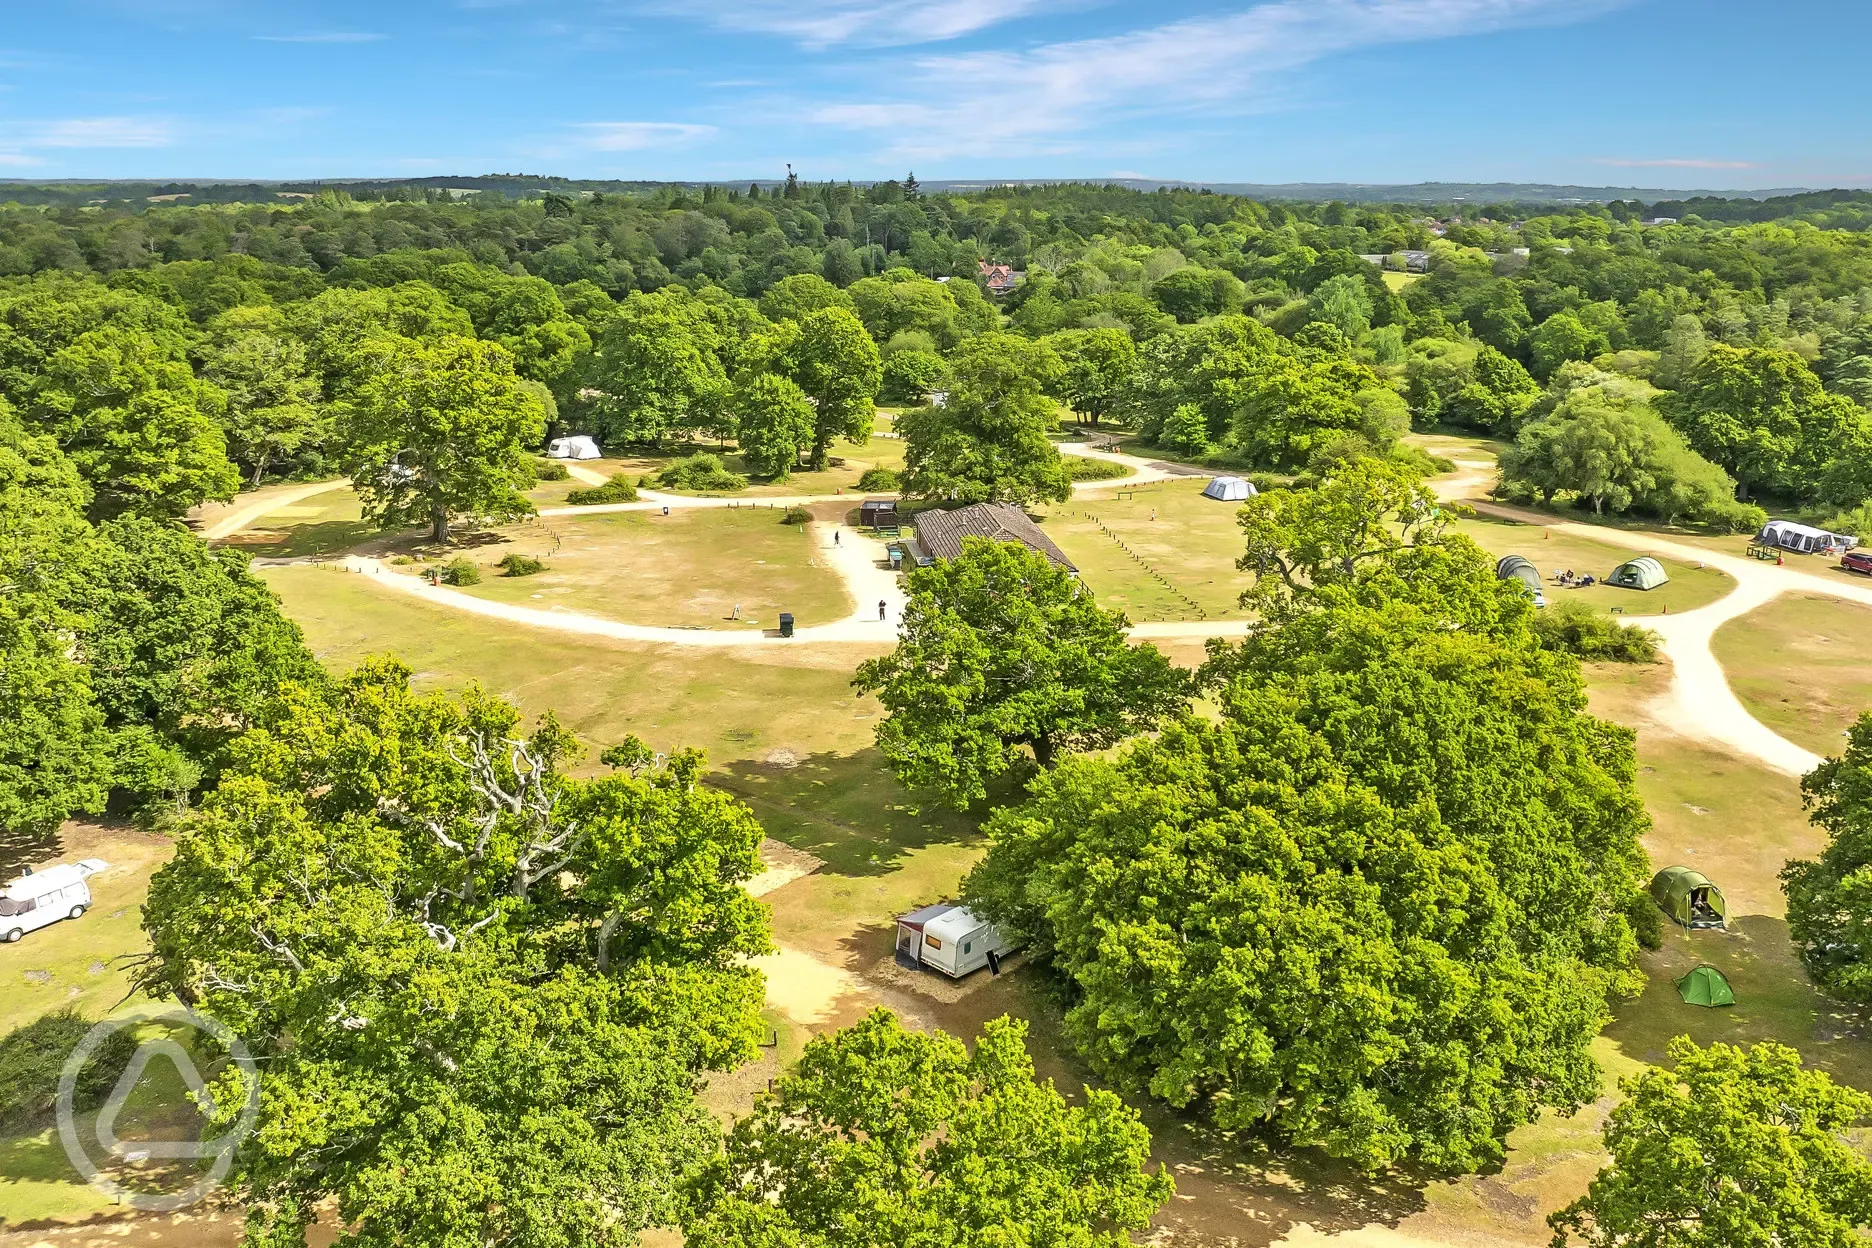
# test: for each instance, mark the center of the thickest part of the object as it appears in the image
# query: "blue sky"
(1666, 93)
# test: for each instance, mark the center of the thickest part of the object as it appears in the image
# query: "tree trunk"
(259, 471)
(1043, 750)
(1598, 504)
(438, 524)
(1742, 493)
(821, 443)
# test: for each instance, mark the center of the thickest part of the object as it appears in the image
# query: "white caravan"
(949, 939)
(42, 897)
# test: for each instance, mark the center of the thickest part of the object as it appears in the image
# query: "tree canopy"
(482, 992)
(1002, 654)
(1379, 904)
(987, 441)
(1729, 1146)
(885, 1136)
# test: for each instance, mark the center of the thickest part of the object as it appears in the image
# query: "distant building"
(999, 278)
(939, 534)
(1662, 221)
(1414, 261)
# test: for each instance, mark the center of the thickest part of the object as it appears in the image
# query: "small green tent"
(1689, 897)
(1705, 986)
(1641, 573)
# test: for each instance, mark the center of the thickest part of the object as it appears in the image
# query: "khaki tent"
(1688, 897)
(1641, 573)
(1520, 568)
(1705, 986)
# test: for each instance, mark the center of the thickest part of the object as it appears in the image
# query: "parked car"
(1859, 561)
(39, 898)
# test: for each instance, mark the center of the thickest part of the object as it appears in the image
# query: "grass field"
(685, 570)
(1802, 665)
(736, 705)
(854, 458)
(1398, 281)
(1689, 586)
(324, 524)
(1167, 528)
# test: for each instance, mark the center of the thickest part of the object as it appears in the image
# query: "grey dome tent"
(1520, 568)
(1689, 897)
(1230, 489)
(1643, 572)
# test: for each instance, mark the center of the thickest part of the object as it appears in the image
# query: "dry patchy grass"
(1802, 665)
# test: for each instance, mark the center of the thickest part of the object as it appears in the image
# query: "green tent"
(1641, 573)
(1705, 986)
(1689, 897)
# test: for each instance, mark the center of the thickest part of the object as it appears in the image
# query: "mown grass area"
(1551, 550)
(1168, 528)
(1396, 281)
(39, 1184)
(736, 705)
(324, 524)
(688, 569)
(79, 962)
(851, 460)
(1802, 664)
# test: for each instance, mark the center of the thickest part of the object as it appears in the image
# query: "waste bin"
(786, 623)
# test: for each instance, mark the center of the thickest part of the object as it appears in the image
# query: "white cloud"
(100, 132)
(1678, 162)
(330, 36)
(997, 102)
(879, 24)
(636, 136)
(18, 160)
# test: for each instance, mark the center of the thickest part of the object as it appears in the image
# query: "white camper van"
(42, 897)
(949, 939)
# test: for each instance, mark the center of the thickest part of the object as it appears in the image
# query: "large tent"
(1643, 572)
(1705, 986)
(1787, 535)
(579, 446)
(1520, 568)
(1230, 489)
(1688, 897)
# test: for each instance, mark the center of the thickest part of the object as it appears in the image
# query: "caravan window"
(8, 906)
(968, 947)
(932, 942)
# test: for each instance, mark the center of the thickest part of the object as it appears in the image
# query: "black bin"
(786, 623)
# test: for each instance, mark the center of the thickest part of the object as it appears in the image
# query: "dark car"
(1859, 561)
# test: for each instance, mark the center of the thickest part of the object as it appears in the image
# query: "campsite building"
(939, 534)
(950, 939)
(1643, 572)
(1230, 489)
(1786, 535)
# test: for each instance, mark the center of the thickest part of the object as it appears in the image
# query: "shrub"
(517, 564)
(1854, 523)
(1574, 627)
(1085, 468)
(550, 470)
(461, 570)
(700, 472)
(32, 1057)
(880, 479)
(618, 489)
(795, 515)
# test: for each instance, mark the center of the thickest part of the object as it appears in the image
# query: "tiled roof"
(940, 533)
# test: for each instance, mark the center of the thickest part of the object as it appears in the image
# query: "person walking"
(881, 605)
(835, 537)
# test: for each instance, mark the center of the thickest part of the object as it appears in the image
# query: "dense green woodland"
(1378, 898)
(1686, 371)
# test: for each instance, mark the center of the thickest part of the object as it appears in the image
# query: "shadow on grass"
(21, 847)
(1774, 1001)
(304, 541)
(844, 809)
